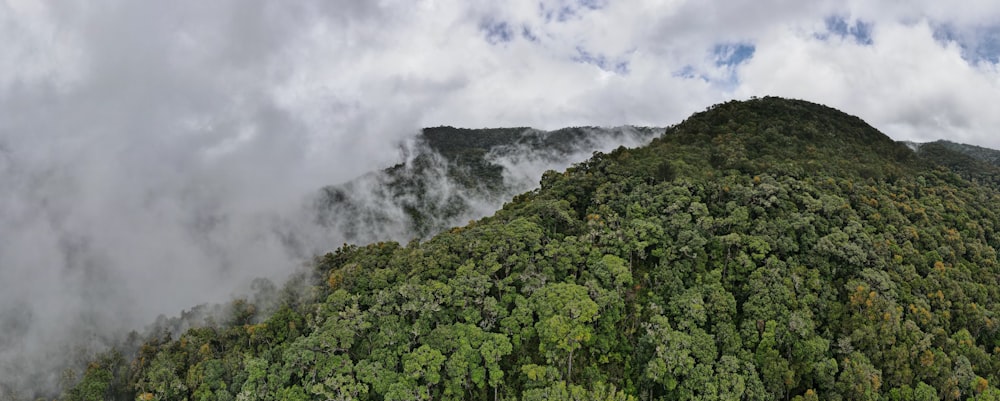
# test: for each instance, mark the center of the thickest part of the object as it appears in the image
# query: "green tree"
(565, 312)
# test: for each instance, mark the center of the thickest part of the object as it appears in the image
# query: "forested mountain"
(974, 163)
(991, 156)
(769, 249)
(444, 178)
(449, 176)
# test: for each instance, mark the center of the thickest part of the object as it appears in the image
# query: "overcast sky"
(141, 141)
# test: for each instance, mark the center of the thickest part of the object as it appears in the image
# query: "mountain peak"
(788, 136)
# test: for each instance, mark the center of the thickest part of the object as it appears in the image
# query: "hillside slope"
(767, 249)
(986, 155)
(449, 176)
(974, 163)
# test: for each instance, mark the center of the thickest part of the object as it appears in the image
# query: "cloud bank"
(149, 149)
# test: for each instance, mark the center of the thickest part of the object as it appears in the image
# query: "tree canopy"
(769, 249)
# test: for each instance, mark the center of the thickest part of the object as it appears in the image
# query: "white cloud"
(906, 83)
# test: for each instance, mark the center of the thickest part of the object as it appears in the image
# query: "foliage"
(976, 164)
(768, 249)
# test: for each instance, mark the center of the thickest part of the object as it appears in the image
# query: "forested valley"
(768, 249)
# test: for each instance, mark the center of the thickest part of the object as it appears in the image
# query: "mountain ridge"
(449, 176)
(766, 249)
(824, 132)
(974, 163)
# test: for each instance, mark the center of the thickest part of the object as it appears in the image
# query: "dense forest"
(768, 249)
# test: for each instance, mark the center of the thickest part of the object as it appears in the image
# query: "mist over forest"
(112, 266)
(762, 249)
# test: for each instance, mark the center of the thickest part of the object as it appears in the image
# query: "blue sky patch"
(859, 31)
(528, 34)
(566, 10)
(979, 44)
(689, 72)
(497, 31)
(727, 57)
(731, 54)
(988, 46)
(617, 66)
(593, 4)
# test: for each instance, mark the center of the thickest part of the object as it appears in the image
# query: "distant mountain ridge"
(452, 175)
(974, 163)
(991, 156)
